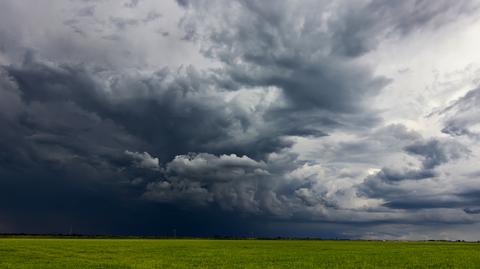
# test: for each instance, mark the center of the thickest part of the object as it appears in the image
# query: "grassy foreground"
(164, 253)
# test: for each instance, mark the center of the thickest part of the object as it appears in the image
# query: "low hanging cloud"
(233, 182)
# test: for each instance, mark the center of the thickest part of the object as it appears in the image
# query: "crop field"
(21, 253)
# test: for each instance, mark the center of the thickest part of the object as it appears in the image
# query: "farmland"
(202, 253)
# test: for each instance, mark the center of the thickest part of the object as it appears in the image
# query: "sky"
(332, 119)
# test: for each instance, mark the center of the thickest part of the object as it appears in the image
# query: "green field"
(196, 253)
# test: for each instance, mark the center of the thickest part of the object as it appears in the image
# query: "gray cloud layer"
(200, 144)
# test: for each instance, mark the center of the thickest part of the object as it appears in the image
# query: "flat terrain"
(165, 253)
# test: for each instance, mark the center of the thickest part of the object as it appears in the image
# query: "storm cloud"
(278, 117)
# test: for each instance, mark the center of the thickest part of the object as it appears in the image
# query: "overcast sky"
(346, 119)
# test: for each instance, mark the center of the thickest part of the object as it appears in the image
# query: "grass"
(20, 253)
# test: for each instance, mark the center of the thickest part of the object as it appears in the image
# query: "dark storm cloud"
(61, 108)
(188, 147)
(62, 128)
(170, 116)
(55, 163)
(61, 118)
